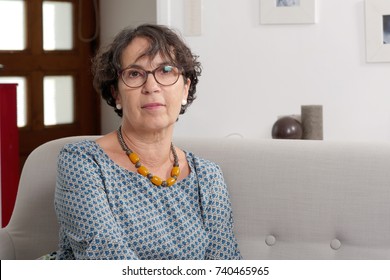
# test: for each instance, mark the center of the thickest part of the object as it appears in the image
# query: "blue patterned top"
(108, 212)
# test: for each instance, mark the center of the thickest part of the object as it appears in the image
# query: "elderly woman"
(132, 194)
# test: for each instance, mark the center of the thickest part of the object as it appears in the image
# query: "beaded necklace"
(157, 181)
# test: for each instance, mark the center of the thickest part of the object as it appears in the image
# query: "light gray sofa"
(291, 199)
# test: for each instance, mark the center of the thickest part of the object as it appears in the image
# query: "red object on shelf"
(9, 151)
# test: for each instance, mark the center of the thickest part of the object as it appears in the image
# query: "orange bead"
(170, 181)
(134, 158)
(175, 171)
(143, 171)
(156, 180)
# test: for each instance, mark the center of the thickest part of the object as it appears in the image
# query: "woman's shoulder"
(209, 178)
(203, 165)
(80, 149)
(82, 145)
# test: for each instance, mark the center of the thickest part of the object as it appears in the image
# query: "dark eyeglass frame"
(146, 72)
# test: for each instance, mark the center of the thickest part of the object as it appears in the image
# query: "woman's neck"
(153, 148)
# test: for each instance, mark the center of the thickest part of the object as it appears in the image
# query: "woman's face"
(151, 107)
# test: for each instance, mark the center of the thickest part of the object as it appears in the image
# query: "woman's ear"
(114, 93)
(116, 96)
(186, 89)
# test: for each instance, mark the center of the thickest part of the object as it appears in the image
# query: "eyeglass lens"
(165, 75)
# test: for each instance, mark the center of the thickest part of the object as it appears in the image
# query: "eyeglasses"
(165, 75)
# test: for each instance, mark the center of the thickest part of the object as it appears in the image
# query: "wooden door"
(52, 66)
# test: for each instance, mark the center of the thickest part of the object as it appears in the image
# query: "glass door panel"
(51, 102)
(58, 100)
(21, 96)
(12, 25)
(57, 25)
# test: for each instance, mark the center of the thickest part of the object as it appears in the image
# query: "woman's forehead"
(140, 47)
(145, 61)
(135, 50)
(137, 53)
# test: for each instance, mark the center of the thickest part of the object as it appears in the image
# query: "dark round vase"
(287, 128)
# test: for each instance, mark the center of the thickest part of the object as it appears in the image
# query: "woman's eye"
(133, 74)
(166, 69)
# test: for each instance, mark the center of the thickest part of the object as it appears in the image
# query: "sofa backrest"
(291, 199)
(33, 228)
(302, 199)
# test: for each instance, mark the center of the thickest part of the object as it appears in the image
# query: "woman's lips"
(152, 106)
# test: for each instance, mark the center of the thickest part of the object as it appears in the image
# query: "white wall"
(253, 73)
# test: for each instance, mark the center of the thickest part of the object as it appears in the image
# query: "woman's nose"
(151, 85)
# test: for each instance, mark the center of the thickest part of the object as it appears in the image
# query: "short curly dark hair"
(163, 40)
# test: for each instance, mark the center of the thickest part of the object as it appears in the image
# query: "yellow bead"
(170, 181)
(175, 171)
(134, 158)
(156, 180)
(143, 171)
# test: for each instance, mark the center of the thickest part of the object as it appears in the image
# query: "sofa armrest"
(7, 251)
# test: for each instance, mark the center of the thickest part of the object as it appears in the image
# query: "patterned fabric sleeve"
(218, 217)
(88, 229)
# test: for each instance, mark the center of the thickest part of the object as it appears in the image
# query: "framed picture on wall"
(377, 30)
(287, 11)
